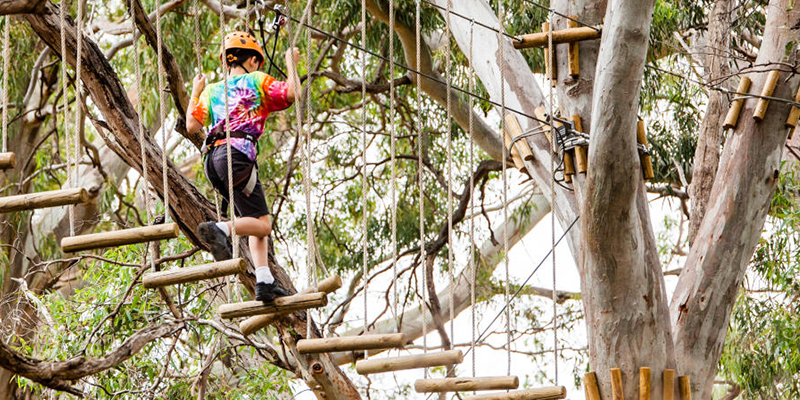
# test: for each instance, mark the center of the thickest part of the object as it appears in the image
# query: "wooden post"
(518, 164)
(515, 130)
(669, 384)
(573, 52)
(253, 324)
(736, 107)
(569, 35)
(616, 384)
(590, 386)
(466, 384)
(569, 164)
(769, 87)
(8, 160)
(644, 383)
(791, 122)
(686, 387)
(352, 343)
(646, 160)
(539, 113)
(374, 366)
(194, 273)
(581, 153)
(53, 198)
(547, 393)
(121, 237)
(281, 305)
(551, 72)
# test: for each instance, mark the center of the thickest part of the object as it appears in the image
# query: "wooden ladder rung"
(546, 393)
(194, 273)
(374, 366)
(352, 343)
(281, 305)
(121, 237)
(253, 324)
(466, 384)
(568, 35)
(52, 198)
(8, 160)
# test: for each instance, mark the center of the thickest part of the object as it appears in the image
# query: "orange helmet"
(241, 40)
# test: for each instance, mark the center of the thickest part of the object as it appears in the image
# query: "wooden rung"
(53, 198)
(685, 385)
(194, 273)
(616, 384)
(669, 384)
(283, 305)
(736, 107)
(121, 237)
(646, 160)
(466, 384)
(590, 386)
(644, 383)
(514, 129)
(374, 366)
(551, 70)
(569, 163)
(581, 153)
(547, 393)
(253, 324)
(568, 35)
(769, 88)
(573, 52)
(794, 114)
(8, 160)
(352, 343)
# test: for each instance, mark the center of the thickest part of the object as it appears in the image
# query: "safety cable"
(473, 21)
(543, 7)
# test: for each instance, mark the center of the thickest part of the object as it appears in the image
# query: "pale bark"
(738, 206)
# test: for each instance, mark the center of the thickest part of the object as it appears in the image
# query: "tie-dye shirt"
(251, 98)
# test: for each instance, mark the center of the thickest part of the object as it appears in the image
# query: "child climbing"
(252, 96)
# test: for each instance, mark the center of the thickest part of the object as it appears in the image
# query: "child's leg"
(259, 227)
(259, 244)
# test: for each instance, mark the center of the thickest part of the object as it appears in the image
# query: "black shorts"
(216, 166)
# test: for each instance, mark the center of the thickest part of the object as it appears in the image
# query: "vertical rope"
(553, 190)
(364, 186)
(421, 183)
(393, 132)
(472, 265)
(501, 43)
(311, 265)
(228, 134)
(6, 55)
(62, 31)
(246, 19)
(140, 124)
(448, 122)
(75, 146)
(162, 111)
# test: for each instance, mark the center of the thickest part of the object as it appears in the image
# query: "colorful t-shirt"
(251, 98)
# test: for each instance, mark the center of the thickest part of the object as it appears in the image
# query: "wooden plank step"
(547, 393)
(352, 343)
(253, 324)
(194, 273)
(8, 160)
(281, 305)
(568, 35)
(379, 365)
(121, 237)
(466, 384)
(52, 198)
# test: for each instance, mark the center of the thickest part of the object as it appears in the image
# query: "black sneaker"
(219, 243)
(268, 292)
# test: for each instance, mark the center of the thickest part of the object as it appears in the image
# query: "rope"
(472, 265)
(75, 145)
(550, 66)
(225, 72)
(364, 186)
(502, 58)
(393, 140)
(6, 56)
(421, 185)
(448, 121)
(311, 265)
(162, 112)
(472, 21)
(62, 23)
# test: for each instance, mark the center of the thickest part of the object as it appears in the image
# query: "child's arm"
(192, 124)
(294, 89)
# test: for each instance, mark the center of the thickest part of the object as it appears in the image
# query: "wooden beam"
(568, 35)
(351, 343)
(616, 384)
(573, 52)
(8, 160)
(52, 198)
(518, 164)
(253, 324)
(374, 366)
(669, 384)
(514, 129)
(644, 383)
(581, 153)
(121, 237)
(194, 273)
(794, 114)
(767, 90)
(551, 69)
(646, 160)
(590, 386)
(281, 305)
(736, 107)
(539, 113)
(685, 385)
(466, 384)
(547, 393)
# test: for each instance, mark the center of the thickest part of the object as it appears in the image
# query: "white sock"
(264, 275)
(224, 227)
